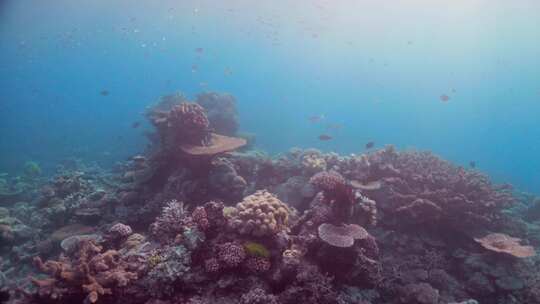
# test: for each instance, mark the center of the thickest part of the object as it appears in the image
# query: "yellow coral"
(154, 260)
(259, 214)
(313, 162)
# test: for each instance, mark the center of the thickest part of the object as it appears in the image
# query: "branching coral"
(260, 214)
(171, 222)
(89, 272)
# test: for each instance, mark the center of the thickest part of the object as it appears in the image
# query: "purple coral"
(171, 221)
(231, 254)
(328, 181)
(200, 217)
(211, 265)
(258, 264)
(258, 296)
(120, 230)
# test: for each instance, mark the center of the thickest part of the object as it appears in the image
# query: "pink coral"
(200, 217)
(328, 181)
(258, 264)
(231, 254)
(258, 296)
(120, 230)
(211, 265)
(337, 192)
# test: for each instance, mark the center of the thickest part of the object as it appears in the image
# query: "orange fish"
(444, 98)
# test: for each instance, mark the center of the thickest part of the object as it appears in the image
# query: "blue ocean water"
(374, 69)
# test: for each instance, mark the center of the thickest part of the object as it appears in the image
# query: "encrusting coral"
(260, 214)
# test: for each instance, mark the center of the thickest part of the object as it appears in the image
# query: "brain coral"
(259, 214)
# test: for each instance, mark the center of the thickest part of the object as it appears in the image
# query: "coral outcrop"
(260, 214)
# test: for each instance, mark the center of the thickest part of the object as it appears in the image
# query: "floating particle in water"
(194, 68)
(227, 72)
(136, 124)
(325, 137)
(104, 93)
(334, 126)
(370, 145)
(410, 42)
(195, 10)
(454, 90)
(444, 98)
(143, 45)
(199, 50)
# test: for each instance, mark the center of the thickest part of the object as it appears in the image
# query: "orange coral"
(90, 272)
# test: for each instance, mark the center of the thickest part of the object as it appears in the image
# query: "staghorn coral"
(259, 214)
(502, 243)
(90, 272)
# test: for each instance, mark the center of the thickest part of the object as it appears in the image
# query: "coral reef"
(187, 221)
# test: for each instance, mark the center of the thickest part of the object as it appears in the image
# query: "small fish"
(472, 164)
(444, 98)
(325, 137)
(316, 118)
(370, 145)
(199, 50)
(104, 93)
(227, 72)
(194, 68)
(136, 124)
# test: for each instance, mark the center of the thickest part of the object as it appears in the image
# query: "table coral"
(502, 243)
